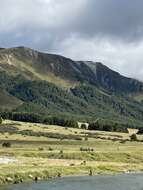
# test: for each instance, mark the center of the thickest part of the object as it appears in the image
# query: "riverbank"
(17, 173)
(46, 175)
(100, 182)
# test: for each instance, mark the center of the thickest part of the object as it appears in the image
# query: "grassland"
(8, 101)
(49, 155)
(138, 97)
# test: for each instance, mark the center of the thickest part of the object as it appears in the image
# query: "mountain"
(64, 72)
(8, 101)
(113, 81)
(48, 84)
(35, 65)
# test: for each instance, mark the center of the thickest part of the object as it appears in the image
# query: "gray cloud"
(110, 31)
(113, 18)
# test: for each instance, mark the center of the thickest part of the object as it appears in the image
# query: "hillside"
(48, 84)
(113, 81)
(8, 101)
(34, 65)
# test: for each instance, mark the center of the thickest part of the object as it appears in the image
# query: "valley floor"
(60, 151)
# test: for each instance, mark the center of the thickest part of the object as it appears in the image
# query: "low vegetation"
(43, 151)
(6, 144)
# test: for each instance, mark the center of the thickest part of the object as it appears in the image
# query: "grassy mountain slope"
(33, 82)
(84, 101)
(7, 101)
(64, 72)
(113, 81)
(137, 97)
(39, 66)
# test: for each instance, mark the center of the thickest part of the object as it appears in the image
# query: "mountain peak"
(63, 71)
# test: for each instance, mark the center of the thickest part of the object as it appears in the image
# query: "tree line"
(99, 124)
(37, 118)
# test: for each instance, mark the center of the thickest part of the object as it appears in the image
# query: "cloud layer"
(110, 31)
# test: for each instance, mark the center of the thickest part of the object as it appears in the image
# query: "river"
(117, 182)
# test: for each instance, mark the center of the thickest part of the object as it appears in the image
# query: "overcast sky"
(110, 31)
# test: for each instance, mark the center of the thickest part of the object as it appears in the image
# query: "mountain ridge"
(63, 71)
(50, 84)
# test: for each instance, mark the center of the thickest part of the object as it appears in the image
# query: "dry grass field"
(50, 151)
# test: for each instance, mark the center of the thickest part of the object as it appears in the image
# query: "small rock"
(9, 179)
(31, 176)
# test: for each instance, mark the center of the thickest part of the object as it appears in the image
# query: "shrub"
(40, 149)
(86, 138)
(83, 163)
(133, 137)
(61, 152)
(123, 141)
(83, 126)
(72, 164)
(82, 149)
(108, 125)
(1, 120)
(51, 149)
(6, 144)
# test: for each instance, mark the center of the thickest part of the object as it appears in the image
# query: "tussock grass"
(49, 157)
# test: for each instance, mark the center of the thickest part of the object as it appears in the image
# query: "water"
(119, 182)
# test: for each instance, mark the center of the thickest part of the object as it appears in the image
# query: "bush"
(40, 149)
(123, 141)
(61, 152)
(51, 149)
(82, 149)
(133, 137)
(6, 144)
(86, 138)
(108, 125)
(1, 120)
(83, 126)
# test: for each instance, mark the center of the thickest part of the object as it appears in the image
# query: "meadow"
(46, 151)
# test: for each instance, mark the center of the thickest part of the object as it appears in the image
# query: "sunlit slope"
(7, 101)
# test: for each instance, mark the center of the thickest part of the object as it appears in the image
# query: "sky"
(109, 31)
